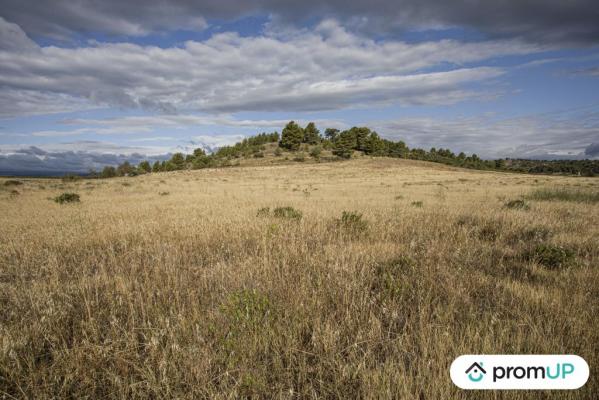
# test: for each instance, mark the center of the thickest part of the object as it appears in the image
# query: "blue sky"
(85, 87)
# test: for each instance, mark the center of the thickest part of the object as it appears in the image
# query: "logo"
(476, 372)
(519, 372)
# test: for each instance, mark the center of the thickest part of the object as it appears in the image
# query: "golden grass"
(170, 286)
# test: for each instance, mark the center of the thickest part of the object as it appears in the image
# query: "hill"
(306, 144)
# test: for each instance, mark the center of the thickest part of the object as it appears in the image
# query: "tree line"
(343, 144)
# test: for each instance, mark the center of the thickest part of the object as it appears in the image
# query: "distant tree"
(177, 161)
(292, 136)
(344, 144)
(203, 162)
(124, 169)
(331, 133)
(361, 135)
(144, 167)
(199, 152)
(108, 172)
(311, 134)
(157, 167)
(374, 145)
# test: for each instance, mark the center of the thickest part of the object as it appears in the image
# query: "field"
(193, 284)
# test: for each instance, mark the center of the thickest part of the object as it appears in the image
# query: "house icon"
(476, 372)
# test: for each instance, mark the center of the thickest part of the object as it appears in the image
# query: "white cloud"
(327, 68)
(558, 134)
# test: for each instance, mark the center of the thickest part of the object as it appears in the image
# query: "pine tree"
(292, 136)
(344, 144)
(311, 134)
(144, 166)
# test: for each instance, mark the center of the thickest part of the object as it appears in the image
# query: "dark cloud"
(36, 161)
(592, 150)
(548, 21)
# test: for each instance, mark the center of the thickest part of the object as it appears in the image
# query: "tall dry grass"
(175, 286)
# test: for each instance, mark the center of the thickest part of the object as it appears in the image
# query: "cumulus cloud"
(565, 134)
(324, 68)
(538, 20)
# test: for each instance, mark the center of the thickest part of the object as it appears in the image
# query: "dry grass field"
(183, 285)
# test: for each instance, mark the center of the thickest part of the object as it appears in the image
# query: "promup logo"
(519, 372)
(476, 372)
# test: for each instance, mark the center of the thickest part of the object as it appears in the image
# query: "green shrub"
(278, 152)
(316, 151)
(551, 256)
(517, 204)
(352, 222)
(565, 194)
(12, 182)
(287, 212)
(67, 198)
(417, 204)
(163, 193)
(259, 155)
(246, 310)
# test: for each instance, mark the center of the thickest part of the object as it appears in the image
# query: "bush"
(417, 204)
(315, 152)
(67, 198)
(287, 212)
(517, 204)
(12, 182)
(352, 222)
(259, 155)
(278, 152)
(551, 256)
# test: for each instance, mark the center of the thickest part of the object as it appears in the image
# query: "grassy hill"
(363, 278)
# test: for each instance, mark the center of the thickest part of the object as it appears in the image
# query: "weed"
(67, 198)
(287, 212)
(163, 193)
(552, 256)
(352, 222)
(417, 204)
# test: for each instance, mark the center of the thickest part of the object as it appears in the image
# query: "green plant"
(12, 182)
(552, 256)
(353, 222)
(316, 151)
(287, 212)
(67, 198)
(417, 204)
(278, 152)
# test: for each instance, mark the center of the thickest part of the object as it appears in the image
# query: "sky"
(92, 83)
